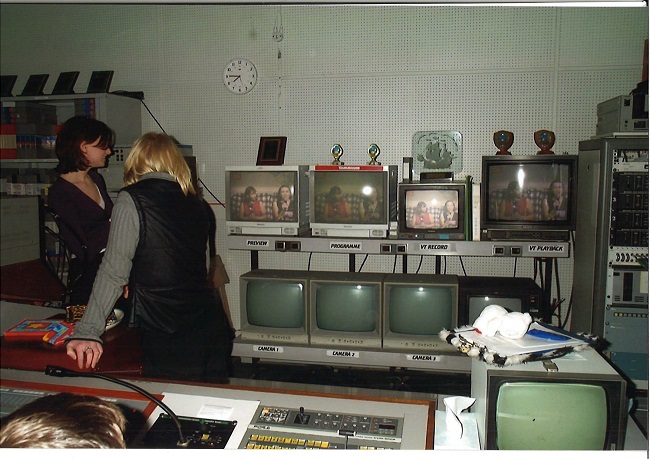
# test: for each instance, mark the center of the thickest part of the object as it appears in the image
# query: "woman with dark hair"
(336, 208)
(80, 198)
(554, 205)
(369, 208)
(515, 206)
(251, 207)
(421, 216)
(284, 205)
(449, 215)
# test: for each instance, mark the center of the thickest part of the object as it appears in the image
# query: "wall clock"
(240, 76)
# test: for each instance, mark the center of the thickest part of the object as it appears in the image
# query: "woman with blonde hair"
(157, 248)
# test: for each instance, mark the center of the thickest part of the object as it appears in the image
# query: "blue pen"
(547, 335)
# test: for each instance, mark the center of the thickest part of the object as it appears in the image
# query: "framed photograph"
(271, 151)
(35, 85)
(100, 81)
(65, 83)
(7, 83)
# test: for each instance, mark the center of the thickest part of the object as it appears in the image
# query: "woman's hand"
(86, 352)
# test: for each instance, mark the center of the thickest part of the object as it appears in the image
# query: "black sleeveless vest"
(168, 282)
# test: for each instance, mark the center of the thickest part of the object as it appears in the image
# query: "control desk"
(259, 414)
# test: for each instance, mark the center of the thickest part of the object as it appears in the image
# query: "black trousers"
(202, 353)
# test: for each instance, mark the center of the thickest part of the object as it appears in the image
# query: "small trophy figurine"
(544, 140)
(337, 151)
(373, 152)
(503, 140)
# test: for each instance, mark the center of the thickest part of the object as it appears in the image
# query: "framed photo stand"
(271, 151)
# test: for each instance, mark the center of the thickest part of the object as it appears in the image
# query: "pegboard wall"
(347, 74)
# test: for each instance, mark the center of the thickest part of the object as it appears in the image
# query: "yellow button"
(325, 444)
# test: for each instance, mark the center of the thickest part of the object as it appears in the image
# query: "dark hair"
(72, 134)
(248, 191)
(279, 194)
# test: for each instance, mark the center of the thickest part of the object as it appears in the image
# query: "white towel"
(514, 325)
(496, 319)
(489, 320)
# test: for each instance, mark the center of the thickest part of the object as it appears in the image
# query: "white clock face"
(240, 76)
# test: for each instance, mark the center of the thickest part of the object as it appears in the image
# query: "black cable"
(200, 181)
(154, 118)
(394, 264)
(211, 193)
(363, 263)
(462, 265)
(309, 261)
(417, 271)
(514, 272)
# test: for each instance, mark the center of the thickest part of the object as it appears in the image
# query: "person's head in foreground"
(64, 420)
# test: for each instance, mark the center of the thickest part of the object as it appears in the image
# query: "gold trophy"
(337, 152)
(503, 140)
(373, 152)
(544, 140)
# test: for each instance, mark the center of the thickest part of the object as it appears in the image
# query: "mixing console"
(285, 428)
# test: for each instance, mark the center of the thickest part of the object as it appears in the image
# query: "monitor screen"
(267, 200)
(345, 309)
(432, 210)
(273, 306)
(349, 308)
(516, 294)
(416, 308)
(353, 201)
(572, 416)
(528, 194)
(582, 405)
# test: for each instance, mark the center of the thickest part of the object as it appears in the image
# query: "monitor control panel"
(288, 428)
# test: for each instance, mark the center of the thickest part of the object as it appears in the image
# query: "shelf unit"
(35, 165)
(442, 357)
(122, 114)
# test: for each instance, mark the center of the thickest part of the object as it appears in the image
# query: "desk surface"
(122, 354)
(415, 416)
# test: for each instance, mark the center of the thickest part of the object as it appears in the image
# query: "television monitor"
(582, 406)
(516, 294)
(345, 309)
(274, 306)
(528, 198)
(416, 307)
(353, 201)
(432, 210)
(267, 200)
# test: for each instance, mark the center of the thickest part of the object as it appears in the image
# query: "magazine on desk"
(541, 342)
